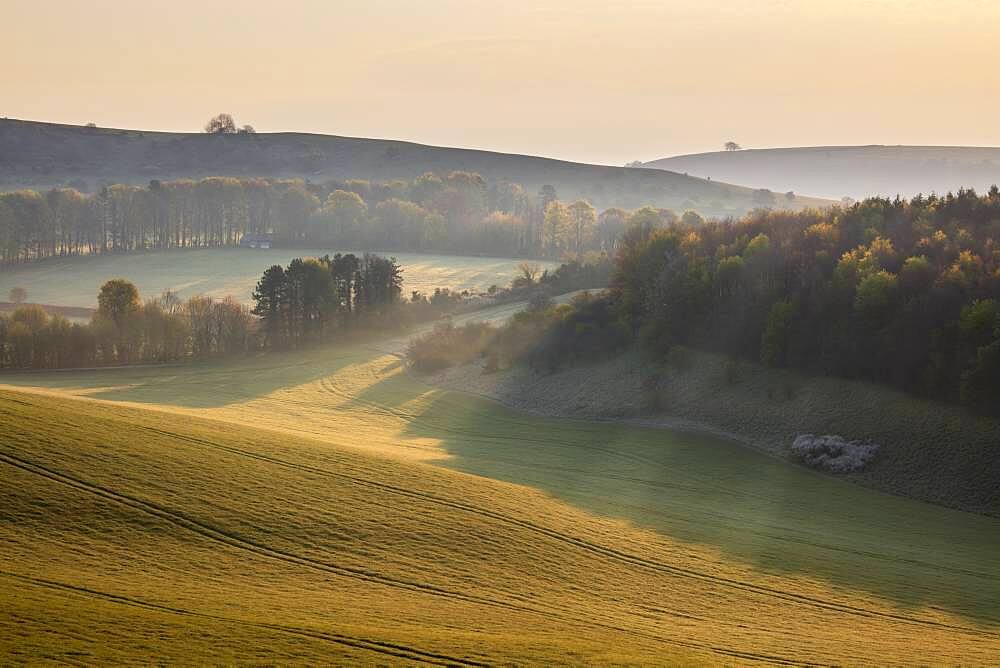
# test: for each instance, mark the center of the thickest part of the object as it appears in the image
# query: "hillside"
(41, 155)
(930, 451)
(128, 537)
(339, 483)
(852, 171)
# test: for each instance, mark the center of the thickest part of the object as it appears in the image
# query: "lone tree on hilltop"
(732, 146)
(223, 124)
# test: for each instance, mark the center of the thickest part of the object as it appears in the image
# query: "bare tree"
(529, 271)
(732, 146)
(246, 130)
(223, 124)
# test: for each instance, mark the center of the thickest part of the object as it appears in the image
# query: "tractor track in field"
(216, 535)
(699, 483)
(377, 408)
(373, 407)
(219, 536)
(607, 552)
(580, 543)
(390, 649)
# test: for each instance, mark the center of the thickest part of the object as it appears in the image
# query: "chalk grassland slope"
(854, 171)
(129, 537)
(221, 272)
(41, 155)
(928, 450)
(711, 552)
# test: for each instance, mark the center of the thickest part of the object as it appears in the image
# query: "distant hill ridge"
(853, 171)
(42, 155)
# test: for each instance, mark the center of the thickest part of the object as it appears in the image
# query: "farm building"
(255, 241)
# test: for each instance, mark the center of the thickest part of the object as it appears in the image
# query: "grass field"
(928, 450)
(220, 272)
(325, 504)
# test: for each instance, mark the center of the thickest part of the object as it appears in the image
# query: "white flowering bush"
(833, 453)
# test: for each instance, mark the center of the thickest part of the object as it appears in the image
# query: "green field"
(313, 500)
(221, 272)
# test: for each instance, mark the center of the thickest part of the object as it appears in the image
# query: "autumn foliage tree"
(454, 212)
(893, 291)
(124, 330)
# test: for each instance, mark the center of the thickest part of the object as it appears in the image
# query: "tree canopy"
(222, 124)
(905, 293)
(452, 212)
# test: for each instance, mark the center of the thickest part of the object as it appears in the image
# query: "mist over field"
(848, 171)
(233, 273)
(469, 334)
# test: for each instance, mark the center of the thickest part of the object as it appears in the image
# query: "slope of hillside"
(852, 171)
(930, 451)
(127, 532)
(359, 522)
(126, 537)
(41, 155)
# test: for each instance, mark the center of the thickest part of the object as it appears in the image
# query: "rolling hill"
(41, 155)
(852, 171)
(325, 506)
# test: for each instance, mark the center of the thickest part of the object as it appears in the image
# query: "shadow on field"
(778, 518)
(198, 385)
(775, 517)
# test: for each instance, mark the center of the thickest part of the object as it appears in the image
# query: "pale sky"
(596, 81)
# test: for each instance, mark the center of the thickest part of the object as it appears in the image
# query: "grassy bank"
(929, 451)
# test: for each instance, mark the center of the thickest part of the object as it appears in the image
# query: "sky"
(605, 82)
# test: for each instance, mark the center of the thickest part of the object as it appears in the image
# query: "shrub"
(655, 338)
(777, 333)
(446, 346)
(833, 453)
(586, 330)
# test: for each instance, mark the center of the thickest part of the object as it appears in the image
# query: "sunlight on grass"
(771, 516)
(713, 508)
(662, 546)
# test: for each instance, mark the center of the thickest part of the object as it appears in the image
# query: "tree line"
(126, 330)
(306, 302)
(545, 336)
(905, 293)
(309, 299)
(455, 212)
